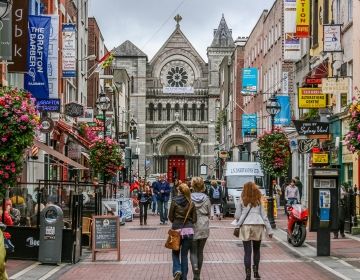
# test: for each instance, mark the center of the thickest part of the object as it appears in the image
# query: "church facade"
(173, 103)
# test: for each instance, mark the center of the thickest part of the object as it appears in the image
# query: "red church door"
(176, 168)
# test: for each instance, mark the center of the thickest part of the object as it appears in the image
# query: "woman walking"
(201, 228)
(215, 199)
(182, 215)
(144, 197)
(252, 220)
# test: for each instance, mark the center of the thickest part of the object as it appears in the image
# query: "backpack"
(216, 193)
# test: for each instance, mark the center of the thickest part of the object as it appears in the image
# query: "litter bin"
(51, 234)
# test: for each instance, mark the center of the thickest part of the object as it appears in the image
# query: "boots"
(256, 272)
(196, 274)
(248, 273)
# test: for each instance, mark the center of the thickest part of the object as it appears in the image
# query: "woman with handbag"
(251, 223)
(182, 215)
(144, 197)
(201, 228)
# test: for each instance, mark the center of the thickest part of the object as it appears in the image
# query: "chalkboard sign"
(106, 234)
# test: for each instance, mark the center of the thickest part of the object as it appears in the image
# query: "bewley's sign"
(311, 128)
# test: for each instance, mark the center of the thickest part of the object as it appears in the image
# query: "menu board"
(106, 233)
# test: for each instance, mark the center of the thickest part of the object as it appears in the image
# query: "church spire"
(222, 35)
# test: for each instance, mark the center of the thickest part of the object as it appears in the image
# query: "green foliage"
(220, 121)
(352, 137)
(18, 122)
(274, 153)
(311, 115)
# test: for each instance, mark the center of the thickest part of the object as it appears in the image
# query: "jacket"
(158, 187)
(146, 196)
(177, 213)
(215, 200)
(203, 208)
(256, 216)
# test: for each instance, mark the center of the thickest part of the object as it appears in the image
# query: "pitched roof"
(128, 49)
(222, 35)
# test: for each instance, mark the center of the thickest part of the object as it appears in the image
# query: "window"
(168, 111)
(337, 12)
(202, 112)
(350, 12)
(132, 84)
(151, 111)
(177, 107)
(159, 108)
(194, 112)
(185, 112)
(326, 11)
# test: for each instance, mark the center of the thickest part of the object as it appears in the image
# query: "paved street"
(143, 256)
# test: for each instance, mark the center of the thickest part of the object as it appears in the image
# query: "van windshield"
(236, 182)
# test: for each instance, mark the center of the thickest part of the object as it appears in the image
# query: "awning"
(58, 155)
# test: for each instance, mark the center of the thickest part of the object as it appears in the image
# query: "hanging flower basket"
(352, 137)
(105, 157)
(19, 121)
(274, 150)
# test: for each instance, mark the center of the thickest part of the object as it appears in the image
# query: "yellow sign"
(302, 18)
(333, 85)
(320, 158)
(311, 98)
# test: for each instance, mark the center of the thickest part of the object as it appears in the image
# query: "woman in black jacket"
(182, 215)
(144, 197)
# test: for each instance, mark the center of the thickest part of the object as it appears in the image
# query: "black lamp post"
(103, 104)
(5, 7)
(272, 107)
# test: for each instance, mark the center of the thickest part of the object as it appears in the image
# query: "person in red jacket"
(7, 218)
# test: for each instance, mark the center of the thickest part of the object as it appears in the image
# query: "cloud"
(148, 24)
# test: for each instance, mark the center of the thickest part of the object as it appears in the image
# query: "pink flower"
(24, 118)
(6, 175)
(12, 164)
(13, 170)
(1, 172)
(4, 139)
(7, 167)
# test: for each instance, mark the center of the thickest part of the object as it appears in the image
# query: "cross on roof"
(177, 18)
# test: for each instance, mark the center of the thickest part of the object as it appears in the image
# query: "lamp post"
(272, 107)
(103, 104)
(5, 7)
(137, 151)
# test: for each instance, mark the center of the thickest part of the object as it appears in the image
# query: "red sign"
(313, 81)
(316, 150)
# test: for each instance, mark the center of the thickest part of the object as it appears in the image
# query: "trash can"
(51, 234)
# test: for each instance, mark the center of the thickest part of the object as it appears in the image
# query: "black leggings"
(143, 212)
(247, 250)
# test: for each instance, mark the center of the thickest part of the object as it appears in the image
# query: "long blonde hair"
(185, 190)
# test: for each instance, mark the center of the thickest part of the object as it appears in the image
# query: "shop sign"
(311, 98)
(332, 38)
(320, 158)
(313, 81)
(6, 38)
(311, 128)
(306, 145)
(47, 125)
(335, 85)
(48, 105)
(74, 110)
(69, 50)
(303, 18)
(249, 80)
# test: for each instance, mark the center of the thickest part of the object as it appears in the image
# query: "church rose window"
(177, 77)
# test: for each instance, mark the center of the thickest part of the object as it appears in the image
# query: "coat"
(162, 186)
(203, 208)
(177, 213)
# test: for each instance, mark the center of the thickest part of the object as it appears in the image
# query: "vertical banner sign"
(332, 38)
(285, 82)
(53, 57)
(302, 18)
(36, 79)
(5, 38)
(69, 50)
(20, 13)
(249, 125)
(249, 80)
(291, 41)
(283, 117)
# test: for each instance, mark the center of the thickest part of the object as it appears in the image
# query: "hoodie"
(203, 207)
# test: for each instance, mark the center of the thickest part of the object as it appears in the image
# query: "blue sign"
(249, 125)
(36, 78)
(69, 50)
(283, 117)
(48, 105)
(249, 80)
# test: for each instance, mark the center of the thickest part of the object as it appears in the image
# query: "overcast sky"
(149, 23)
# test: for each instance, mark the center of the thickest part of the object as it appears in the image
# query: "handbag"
(174, 238)
(237, 229)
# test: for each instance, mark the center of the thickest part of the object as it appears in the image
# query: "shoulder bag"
(237, 229)
(174, 239)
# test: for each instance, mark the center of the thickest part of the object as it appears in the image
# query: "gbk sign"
(311, 128)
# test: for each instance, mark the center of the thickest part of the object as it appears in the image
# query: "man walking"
(299, 186)
(162, 191)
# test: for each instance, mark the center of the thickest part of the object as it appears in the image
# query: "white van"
(237, 174)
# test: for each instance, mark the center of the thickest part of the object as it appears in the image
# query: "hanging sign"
(69, 50)
(313, 81)
(249, 80)
(47, 125)
(5, 38)
(249, 125)
(283, 117)
(311, 98)
(48, 105)
(320, 158)
(332, 38)
(306, 145)
(302, 18)
(311, 128)
(53, 57)
(335, 85)
(36, 78)
(74, 110)
(291, 41)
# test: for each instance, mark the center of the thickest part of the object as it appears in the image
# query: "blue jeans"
(163, 209)
(180, 258)
(153, 203)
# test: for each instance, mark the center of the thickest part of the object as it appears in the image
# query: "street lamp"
(5, 7)
(273, 107)
(137, 152)
(103, 104)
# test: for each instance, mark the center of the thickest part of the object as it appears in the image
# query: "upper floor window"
(202, 112)
(151, 111)
(168, 111)
(159, 108)
(194, 112)
(185, 112)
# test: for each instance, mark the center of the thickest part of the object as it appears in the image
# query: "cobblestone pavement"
(143, 256)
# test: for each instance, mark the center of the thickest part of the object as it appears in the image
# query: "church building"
(173, 103)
